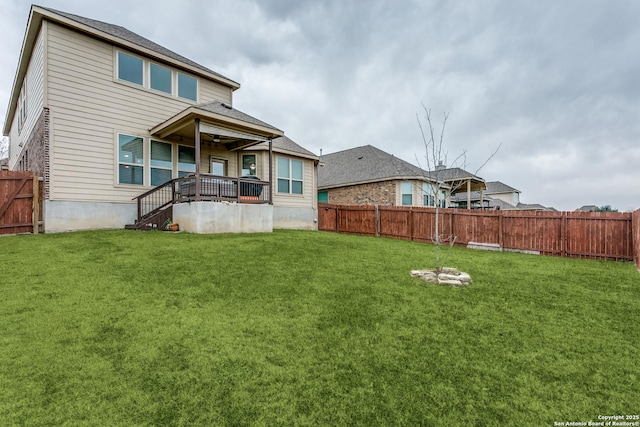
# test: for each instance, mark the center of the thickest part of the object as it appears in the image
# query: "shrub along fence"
(597, 235)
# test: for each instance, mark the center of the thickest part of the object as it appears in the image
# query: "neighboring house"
(462, 185)
(496, 196)
(4, 164)
(368, 176)
(105, 115)
(588, 208)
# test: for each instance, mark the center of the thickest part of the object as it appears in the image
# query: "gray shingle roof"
(533, 207)
(587, 208)
(129, 36)
(228, 111)
(286, 144)
(363, 164)
(452, 174)
(499, 187)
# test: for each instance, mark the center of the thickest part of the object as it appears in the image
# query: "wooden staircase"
(155, 207)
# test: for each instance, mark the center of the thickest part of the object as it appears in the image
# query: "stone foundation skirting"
(61, 216)
(216, 217)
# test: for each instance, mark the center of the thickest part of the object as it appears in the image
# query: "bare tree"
(437, 166)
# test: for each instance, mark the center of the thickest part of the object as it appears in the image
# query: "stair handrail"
(148, 209)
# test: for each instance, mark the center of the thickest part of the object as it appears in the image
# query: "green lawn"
(307, 328)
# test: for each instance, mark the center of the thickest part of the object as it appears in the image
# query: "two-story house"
(367, 175)
(122, 128)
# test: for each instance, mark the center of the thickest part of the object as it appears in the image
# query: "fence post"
(377, 221)
(563, 234)
(410, 223)
(635, 237)
(337, 219)
(452, 232)
(501, 229)
(36, 203)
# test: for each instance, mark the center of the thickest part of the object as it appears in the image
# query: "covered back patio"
(221, 189)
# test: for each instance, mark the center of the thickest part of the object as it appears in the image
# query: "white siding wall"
(206, 152)
(88, 108)
(308, 198)
(35, 102)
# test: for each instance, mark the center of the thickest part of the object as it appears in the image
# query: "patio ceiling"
(215, 128)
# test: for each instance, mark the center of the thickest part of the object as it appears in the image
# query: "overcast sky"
(556, 82)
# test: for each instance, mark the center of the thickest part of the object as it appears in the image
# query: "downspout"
(468, 194)
(271, 171)
(197, 144)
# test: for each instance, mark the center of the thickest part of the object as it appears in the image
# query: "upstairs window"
(130, 68)
(187, 87)
(22, 105)
(160, 78)
(154, 77)
(289, 176)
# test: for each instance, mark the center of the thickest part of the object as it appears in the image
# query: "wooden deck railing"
(223, 188)
(153, 203)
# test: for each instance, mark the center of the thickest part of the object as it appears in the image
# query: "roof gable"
(131, 37)
(113, 34)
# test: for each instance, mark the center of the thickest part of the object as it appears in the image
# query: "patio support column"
(197, 144)
(270, 171)
(468, 194)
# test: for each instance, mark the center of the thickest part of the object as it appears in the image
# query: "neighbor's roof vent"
(227, 106)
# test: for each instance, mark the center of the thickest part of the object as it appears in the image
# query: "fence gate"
(20, 202)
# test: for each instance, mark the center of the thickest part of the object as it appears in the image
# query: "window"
(155, 77)
(187, 87)
(407, 194)
(22, 105)
(130, 68)
(428, 194)
(289, 176)
(186, 160)
(218, 167)
(323, 196)
(130, 160)
(249, 165)
(160, 78)
(161, 162)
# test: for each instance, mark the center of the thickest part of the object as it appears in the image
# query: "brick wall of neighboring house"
(35, 156)
(377, 193)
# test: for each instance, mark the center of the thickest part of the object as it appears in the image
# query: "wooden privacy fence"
(597, 235)
(20, 202)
